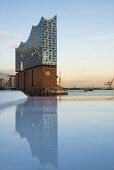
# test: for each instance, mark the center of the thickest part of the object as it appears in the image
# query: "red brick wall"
(17, 81)
(40, 80)
(21, 80)
(37, 78)
(28, 79)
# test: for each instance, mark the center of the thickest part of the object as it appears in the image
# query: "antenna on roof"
(60, 79)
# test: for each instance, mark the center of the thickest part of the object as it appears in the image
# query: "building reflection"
(36, 120)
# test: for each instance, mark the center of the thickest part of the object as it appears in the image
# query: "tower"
(36, 59)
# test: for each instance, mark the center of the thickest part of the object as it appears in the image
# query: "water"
(91, 93)
(47, 133)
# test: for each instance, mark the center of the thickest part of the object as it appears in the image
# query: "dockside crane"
(109, 84)
(60, 79)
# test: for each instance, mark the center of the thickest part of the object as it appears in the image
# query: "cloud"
(4, 33)
(13, 45)
(15, 42)
(14, 39)
(102, 37)
(9, 34)
(7, 71)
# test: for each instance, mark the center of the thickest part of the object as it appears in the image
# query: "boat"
(88, 89)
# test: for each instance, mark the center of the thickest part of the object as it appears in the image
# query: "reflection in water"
(36, 120)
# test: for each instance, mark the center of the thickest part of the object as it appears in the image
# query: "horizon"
(85, 37)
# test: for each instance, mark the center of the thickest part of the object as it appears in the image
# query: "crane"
(109, 83)
(60, 79)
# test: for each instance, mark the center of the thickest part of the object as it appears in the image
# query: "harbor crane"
(60, 79)
(109, 84)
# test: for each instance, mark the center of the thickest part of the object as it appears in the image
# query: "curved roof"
(24, 44)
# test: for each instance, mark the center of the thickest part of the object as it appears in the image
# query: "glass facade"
(41, 46)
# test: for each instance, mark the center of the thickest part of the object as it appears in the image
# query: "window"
(50, 23)
(47, 73)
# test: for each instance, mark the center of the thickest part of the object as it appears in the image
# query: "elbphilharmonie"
(36, 59)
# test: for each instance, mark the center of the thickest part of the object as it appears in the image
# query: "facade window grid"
(35, 41)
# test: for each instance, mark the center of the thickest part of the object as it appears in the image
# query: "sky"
(85, 36)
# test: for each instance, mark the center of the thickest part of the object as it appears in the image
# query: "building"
(1, 80)
(36, 59)
(12, 82)
(5, 84)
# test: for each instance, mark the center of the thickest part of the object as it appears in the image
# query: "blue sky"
(85, 36)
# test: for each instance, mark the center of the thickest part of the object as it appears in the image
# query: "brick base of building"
(43, 77)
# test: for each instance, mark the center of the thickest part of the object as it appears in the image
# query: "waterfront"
(91, 93)
(49, 133)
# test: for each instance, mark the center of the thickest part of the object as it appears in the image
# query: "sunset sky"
(85, 30)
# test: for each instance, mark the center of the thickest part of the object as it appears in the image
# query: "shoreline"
(85, 98)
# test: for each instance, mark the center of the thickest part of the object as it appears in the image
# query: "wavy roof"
(24, 44)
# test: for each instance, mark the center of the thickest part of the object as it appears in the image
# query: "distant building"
(12, 82)
(36, 59)
(1, 80)
(5, 84)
